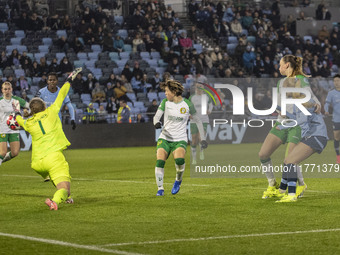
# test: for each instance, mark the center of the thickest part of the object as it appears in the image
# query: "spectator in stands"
(315, 72)
(13, 59)
(126, 84)
(35, 23)
(323, 33)
(25, 60)
(118, 44)
(22, 84)
(24, 96)
(324, 70)
(138, 44)
(185, 42)
(43, 66)
(120, 92)
(107, 42)
(140, 118)
(109, 92)
(258, 68)
(236, 28)
(81, 28)
(247, 20)
(54, 22)
(124, 112)
(192, 34)
(78, 84)
(3, 60)
(158, 42)
(88, 15)
(10, 79)
(43, 82)
(98, 94)
(65, 67)
(288, 41)
(35, 70)
(137, 71)
(152, 109)
(127, 72)
(23, 22)
(112, 79)
(322, 13)
(193, 7)
(77, 45)
(89, 37)
(306, 68)
(89, 84)
(62, 44)
(90, 115)
(54, 66)
(101, 115)
(66, 24)
(174, 42)
(174, 68)
(136, 84)
(248, 58)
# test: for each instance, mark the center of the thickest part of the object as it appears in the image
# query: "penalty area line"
(222, 237)
(108, 180)
(61, 243)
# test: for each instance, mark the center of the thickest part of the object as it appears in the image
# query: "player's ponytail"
(296, 65)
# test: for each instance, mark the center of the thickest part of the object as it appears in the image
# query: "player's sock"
(201, 153)
(292, 187)
(299, 175)
(1, 159)
(268, 170)
(193, 152)
(283, 184)
(7, 157)
(180, 167)
(60, 196)
(291, 178)
(159, 173)
(336, 147)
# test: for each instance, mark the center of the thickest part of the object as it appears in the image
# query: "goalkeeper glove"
(73, 75)
(158, 125)
(204, 144)
(73, 124)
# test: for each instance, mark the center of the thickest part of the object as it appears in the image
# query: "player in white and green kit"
(173, 138)
(8, 104)
(197, 100)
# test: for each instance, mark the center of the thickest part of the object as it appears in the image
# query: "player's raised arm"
(65, 88)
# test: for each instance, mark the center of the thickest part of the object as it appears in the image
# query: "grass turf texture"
(115, 202)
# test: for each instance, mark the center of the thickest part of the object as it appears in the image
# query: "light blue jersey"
(333, 99)
(311, 125)
(50, 97)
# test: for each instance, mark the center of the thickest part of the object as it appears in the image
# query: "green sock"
(60, 195)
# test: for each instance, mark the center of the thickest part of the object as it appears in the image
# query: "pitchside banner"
(239, 111)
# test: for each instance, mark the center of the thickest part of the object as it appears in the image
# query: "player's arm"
(157, 118)
(328, 103)
(61, 96)
(20, 120)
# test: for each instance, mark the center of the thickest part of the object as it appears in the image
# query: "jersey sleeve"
(304, 81)
(61, 97)
(21, 121)
(22, 102)
(192, 109)
(162, 105)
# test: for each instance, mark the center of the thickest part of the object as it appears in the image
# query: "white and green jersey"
(6, 108)
(176, 116)
(197, 102)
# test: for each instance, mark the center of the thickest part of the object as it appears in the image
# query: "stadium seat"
(93, 55)
(82, 56)
(123, 33)
(125, 55)
(121, 63)
(180, 31)
(152, 62)
(96, 47)
(152, 95)
(60, 55)
(86, 97)
(232, 39)
(47, 41)
(198, 47)
(19, 72)
(132, 96)
(251, 39)
(155, 55)
(38, 56)
(231, 48)
(20, 33)
(78, 63)
(127, 47)
(119, 20)
(43, 48)
(113, 56)
(244, 32)
(308, 37)
(3, 27)
(61, 33)
(35, 81)
(16, 40)
(90, 63)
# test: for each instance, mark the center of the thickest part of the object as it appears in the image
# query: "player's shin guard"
(267, 168)
(180, 167)
(7, 157)
(159, 173)
(60, 196)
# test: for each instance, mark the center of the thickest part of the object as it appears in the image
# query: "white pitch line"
(73, 245)
(221, 237)
(109, 180)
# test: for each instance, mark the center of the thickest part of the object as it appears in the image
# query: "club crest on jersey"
(3, 135)
(183, 110)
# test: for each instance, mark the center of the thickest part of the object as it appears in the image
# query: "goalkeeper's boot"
(51, 204)
(202, 154)
(74, 74)
(69, 200)
(176, 187)
(287, 199)
(300, 190)
(160, 192)
(272, 191)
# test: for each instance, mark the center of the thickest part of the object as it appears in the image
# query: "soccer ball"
(12, 122)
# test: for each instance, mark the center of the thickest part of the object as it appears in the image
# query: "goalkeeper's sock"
(1, 159)
(299, 175)
(180, 167)
(267, 168)
(7, 157)
(159, 173)
(60, 196)
(193, 152)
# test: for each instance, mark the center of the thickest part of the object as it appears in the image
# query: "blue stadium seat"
(232, 39)
(85, 97)
(124, 55)
(251, 39)
(113, 56)
(78, 63)
(47, 41)
(152, 62)
(90, 63)
(20, 33)
(96, 47)
(244, 32)
(152, 95)
(3, 27)
(308, 37)
(145, 55)
(155, 55)
(93, 55)
(61, 33)
(82, 56)
(38, 56)
(123, 33)
(198, 47)
(132, 96)
(161, 63)
(121, 63)
(43, 48)
(19, 72)
(16, 40)
(119, 20)
(60, 55)
(127, 47)
(231, 48)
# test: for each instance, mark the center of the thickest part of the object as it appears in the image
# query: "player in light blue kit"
(50, 93)
(333, 99)
(313, 139)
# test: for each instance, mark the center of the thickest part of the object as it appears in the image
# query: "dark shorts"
(318, 143)
(336, 126)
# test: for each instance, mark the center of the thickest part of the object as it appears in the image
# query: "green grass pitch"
(116, 210)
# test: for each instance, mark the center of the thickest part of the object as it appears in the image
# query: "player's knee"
(263, 155)
(179, 161)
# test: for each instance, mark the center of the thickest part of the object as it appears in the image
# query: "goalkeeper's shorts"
(53, 165)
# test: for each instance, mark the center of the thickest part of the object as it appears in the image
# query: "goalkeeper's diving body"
(173, 138)
(48, 143)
